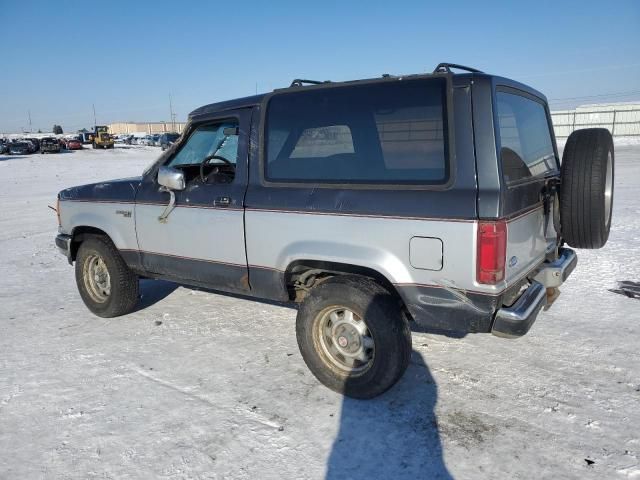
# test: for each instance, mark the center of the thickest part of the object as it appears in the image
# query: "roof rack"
(300, 82)
(446, 68)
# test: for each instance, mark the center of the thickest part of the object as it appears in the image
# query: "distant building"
(145, 127)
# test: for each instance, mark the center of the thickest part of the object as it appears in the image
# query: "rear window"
(525, 138)
(378, 133)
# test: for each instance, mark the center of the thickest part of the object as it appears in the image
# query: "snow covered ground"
(198, 385)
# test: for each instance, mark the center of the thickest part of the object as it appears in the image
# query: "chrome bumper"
(516, 320)
(63, 242)
(553, 274)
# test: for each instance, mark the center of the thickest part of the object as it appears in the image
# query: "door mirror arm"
(169, 208)
(170, 179)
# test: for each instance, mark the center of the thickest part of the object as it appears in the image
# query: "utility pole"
(94, 116)
(172, 115)
(29, 114)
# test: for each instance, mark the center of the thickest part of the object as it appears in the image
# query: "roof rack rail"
(446, 68)
(300, 82)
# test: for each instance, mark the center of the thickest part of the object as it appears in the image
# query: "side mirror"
(171, 178)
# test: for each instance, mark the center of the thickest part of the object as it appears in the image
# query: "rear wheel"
(353, 336)
(586, 195)
(107, 286)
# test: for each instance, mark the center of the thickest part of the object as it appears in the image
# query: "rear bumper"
(63, 242)
(553, 274)
(516, 320)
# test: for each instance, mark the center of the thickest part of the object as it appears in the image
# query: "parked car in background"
(85, 137)
(73, 144)
(155, 139)
(34, 144)
(31, 145)
(4, 147)
(19, 148)
(49, 145)
(168, 139)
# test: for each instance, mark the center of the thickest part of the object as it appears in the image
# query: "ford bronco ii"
(438, 199)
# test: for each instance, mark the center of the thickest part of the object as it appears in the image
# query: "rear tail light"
(492, 250)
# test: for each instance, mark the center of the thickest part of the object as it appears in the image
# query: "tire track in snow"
(250, 415)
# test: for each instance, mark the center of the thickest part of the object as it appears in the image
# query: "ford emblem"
(513, 261)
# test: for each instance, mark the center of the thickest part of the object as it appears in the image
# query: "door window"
(215, 146)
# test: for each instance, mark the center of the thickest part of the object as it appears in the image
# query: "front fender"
(117, 220)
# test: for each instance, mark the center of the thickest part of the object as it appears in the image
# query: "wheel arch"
(81, 233)
(301, 270)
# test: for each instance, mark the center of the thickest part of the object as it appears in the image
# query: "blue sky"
(60, 57)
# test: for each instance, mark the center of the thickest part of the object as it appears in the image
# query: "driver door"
(202, 240)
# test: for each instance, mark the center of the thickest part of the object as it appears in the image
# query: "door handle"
(222, 202)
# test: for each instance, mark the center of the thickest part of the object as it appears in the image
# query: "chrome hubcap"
(608, 189)
(344, 340)
(96, 278)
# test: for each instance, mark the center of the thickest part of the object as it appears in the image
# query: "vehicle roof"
(228, 105)
(255, 100)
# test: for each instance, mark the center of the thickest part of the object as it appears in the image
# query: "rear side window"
(525, 137)
(392, 132)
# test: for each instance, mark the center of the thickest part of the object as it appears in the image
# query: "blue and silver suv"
(437, 199)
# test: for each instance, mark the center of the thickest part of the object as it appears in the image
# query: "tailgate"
(527, 244)
(529, 165)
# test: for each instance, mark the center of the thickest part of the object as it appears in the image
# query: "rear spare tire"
(586, 193)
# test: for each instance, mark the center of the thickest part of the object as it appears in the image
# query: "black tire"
(123, 295)
(94, 145)
(385, 323)
(586, 192)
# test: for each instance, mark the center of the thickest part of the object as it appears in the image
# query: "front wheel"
(353, 336)
(107, 286)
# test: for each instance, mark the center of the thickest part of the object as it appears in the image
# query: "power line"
(585, 97)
